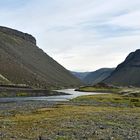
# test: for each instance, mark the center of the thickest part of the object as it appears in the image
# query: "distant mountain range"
(128, 72)
(94, 77)
(98, 76)
(80, 75)
(22, 62)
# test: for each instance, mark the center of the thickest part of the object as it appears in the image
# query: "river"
(72, 92)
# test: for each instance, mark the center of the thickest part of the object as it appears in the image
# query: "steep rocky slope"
(22, 62)
(128, 72)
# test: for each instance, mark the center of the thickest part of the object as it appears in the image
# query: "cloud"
(12, 4)
(81, 35)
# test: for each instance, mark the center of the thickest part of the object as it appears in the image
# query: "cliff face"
(22, 62)
(128, 72)
(12, 32)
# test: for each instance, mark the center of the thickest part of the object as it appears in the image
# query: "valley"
(42, 100)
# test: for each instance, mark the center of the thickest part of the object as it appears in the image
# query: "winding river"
(72, 92)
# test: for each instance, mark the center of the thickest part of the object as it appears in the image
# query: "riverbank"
(107, 117)
(23, 91)
(104, 88)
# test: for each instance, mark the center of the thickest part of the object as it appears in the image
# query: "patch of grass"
(3, 94)
(101, 89)
(22, 94)
(75, 120)
(107, 99)
(56, 122)
(8, 94)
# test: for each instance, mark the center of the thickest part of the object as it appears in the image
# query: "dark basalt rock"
(16, 33)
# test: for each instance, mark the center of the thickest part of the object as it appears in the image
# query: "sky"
(82, 35)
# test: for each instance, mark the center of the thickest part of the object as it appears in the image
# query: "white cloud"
(128, 20)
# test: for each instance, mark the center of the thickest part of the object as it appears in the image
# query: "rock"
(16, 33)
(102, 127)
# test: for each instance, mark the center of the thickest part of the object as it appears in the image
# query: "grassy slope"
(24, 63)
(87, 117)
(4, 80)
(101, 89)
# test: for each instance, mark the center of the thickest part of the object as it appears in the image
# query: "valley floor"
(94, 117)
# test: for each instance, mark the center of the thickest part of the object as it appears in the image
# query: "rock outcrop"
(15, 33)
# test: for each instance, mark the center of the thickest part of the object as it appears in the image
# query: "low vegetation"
(110, 100)
(101, 87)
(107, 117)
(94, 89)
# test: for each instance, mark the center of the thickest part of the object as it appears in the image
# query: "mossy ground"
(100, 89)
(18, 94)
(110, 100)
(96, 117)
(126, 91)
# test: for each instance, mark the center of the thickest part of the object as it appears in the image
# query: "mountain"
(128, 72)
(98, 75)
(22, 62)
(80, 75)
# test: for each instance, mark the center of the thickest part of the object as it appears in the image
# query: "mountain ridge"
(93, 77)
